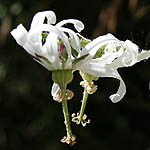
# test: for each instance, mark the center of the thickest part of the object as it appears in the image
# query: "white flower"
(45, 50)
(59, 48)
(116, 54)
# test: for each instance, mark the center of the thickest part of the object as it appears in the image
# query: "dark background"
(30, 119)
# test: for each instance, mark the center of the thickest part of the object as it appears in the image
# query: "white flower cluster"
(59, 48)
(63, 51)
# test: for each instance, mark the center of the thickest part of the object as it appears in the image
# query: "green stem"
(66, 114)
(84, 101)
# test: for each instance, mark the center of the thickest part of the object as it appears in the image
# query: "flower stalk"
(70, 139)
(84, 101)
(81, 117)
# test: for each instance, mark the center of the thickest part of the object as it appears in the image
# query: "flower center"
(63, 55)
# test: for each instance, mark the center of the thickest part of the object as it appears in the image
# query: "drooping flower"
(54, 46)
(60, 48)
(62, 51)
(43, 40)
(108, 56)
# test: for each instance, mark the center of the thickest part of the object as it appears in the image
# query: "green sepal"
(62, 77)
(88, 77)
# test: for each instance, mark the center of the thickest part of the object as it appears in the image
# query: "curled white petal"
(129, 56)
(52, 50)
(51, 47)
(39, 18)
(101, 70)
(35, 40)
(74, 39)
(132, 53)
(97, 43)
(121, 90)
(143, 55)
(79, 26)
(110, 53)
(20, 34)
(29, 48)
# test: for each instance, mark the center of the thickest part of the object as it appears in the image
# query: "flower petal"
(45, 64)
(79, 26)
(75, 42)
(52, 50)
(52, 47)
(39, 18)
(132, 53)
(110, 53)
(129, 56)
(97, 43)
(143, 55)
(121, 90)
(20, 34)
(101, 70)
(35, 40)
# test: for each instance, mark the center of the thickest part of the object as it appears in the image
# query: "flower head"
(59, 48)
(49, 45)
(62, 51)
(108, 54)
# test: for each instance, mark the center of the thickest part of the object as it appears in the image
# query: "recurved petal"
(129, 56)
(35, 40)
(79, 26)
(110, 53)
(97, 43)
(131, 53)
(33, 44)
(20, 34)
(75, 42)
(143, 55)
(121, 90)
(28, 47)
(52, 50)
(39, 18)
(101, 70)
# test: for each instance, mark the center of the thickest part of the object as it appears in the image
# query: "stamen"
(78, 119)
(89, 85)
(69, 94)
(59, 97)
(69, 140)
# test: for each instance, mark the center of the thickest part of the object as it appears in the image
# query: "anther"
(69, 94)
(89, 85)
(78, 120)
(69, 140)
(59, 97)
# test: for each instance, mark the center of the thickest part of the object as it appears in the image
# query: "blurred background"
(30, 119)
